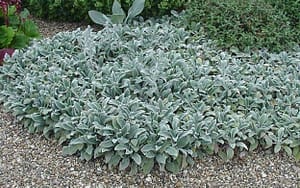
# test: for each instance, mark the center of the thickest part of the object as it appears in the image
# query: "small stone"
(100, 185)
(173, 178)
(179, 184)
(148, 179)
(297, 169)
(243, 155)
(264, 175)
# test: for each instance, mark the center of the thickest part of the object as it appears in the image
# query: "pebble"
(296, 168)
(148, 178)
(263, 175)
(179, 184)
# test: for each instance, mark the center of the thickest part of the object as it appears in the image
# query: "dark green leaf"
(72, 149)
(288, 150)
(6, 36)
(172, 151)
(114, 161)
(173, 166)
(147, 165)
(229, 153)
(30, 29)
(124, 163)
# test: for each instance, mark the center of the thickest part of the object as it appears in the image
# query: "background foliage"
(76, 10)
(291, 9)
(152, 95)
(250, 24)
(16, 29)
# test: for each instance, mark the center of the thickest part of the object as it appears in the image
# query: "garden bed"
(256, 169)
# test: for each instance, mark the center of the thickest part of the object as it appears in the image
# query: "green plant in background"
(16, 30)
(253, 24)
(76, 10)
(158, 8)
(151, 94)
(291, 9)
(118, 15)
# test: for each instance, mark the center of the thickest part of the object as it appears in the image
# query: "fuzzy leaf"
(288, 150)
(137, 158)
(172, 151)
(136, 8)
(117, 9)
(117, 19)
(72, 149)
(147, 148)
(124, 163)
(106, 144)
(120, 147)
(99, 18)
(161, 158)
(296, 153)
(147, 165)
(229, 153)
(277, 148)
(280, 132)
(268, 141)
(242, 145)
(114, 161)
(253, 145)
(183, 141)
(173, 166)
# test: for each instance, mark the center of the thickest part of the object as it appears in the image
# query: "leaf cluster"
(151, 96)
(253, 24)
(118, 14)
(16, 29)
(291, 9)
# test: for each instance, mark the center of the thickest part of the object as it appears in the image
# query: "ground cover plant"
(253, 24)
(153, 95)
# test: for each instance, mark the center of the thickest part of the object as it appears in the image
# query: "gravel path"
(28, 160)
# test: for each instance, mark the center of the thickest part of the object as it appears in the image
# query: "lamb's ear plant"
(153, 96)
(118, 15)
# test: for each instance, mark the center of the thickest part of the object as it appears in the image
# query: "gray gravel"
(48, 29)
(28, 160)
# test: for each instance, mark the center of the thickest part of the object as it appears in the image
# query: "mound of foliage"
(151, 95)
(76, 10)
(253, 24)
